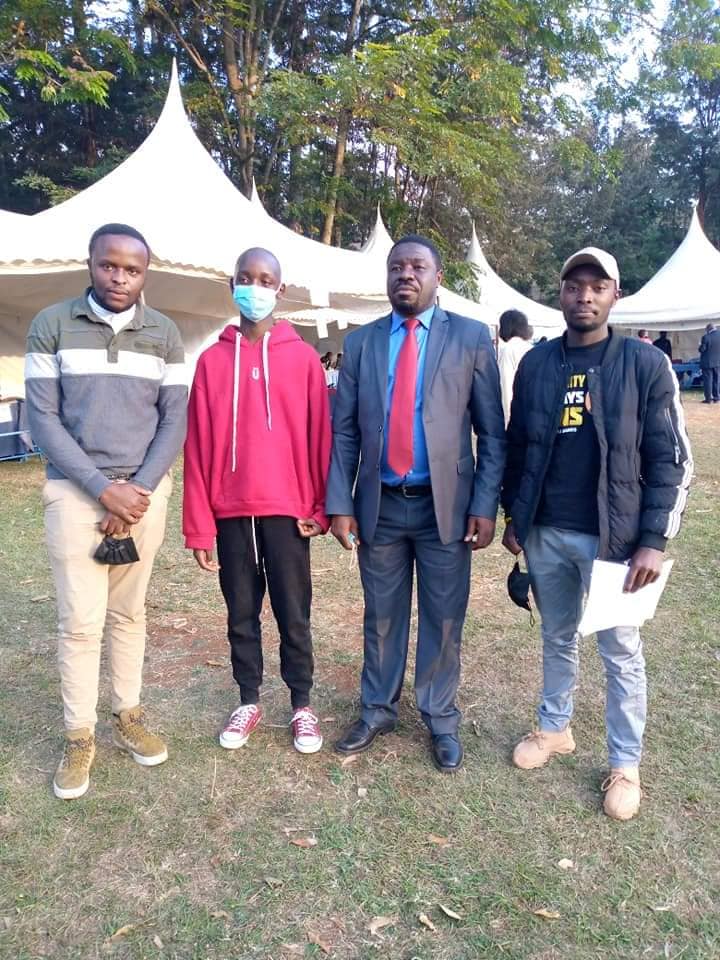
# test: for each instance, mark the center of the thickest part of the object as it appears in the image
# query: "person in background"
(663, 343)
(515, 339)
(256, 462)
(710, 363)
(407, 489)
(598, 466)
(643, 337)
(106, 399)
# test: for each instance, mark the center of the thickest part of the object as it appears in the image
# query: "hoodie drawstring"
(266, 375)
(236, 393)
(255, 546)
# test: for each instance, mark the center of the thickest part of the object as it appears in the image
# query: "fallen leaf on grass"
(362, 792)
(547, 914)
(41, 599)
(158, 942)
(565, 864)
(28, 580)
(180, 622)
(427, 922)
(214, 663)
(377, 923)
(663, 909)
(449, 913)
(319, 942)
(273, 882)
(476, 728)
(122, 932)
(7, 922)
(220, 915)
(348, 760)
(304, 842)
(438, 841)
(329, 719)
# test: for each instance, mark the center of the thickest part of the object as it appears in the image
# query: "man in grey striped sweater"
(106, 399)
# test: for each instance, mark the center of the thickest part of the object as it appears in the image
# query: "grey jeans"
(560, 563)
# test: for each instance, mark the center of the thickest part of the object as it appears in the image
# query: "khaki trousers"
(95, 599)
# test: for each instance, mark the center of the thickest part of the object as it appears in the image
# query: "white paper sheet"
(607, 606)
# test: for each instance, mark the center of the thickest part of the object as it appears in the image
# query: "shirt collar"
(425, 318)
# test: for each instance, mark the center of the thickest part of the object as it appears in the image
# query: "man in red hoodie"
(256, 462)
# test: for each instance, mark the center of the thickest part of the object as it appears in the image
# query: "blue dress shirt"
(420, 472)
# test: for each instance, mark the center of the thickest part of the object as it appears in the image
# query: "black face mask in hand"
(518, 587)
(117, 550)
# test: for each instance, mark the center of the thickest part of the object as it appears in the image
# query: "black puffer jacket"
(645, 458)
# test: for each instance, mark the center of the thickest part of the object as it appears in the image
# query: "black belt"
(118, 475)
(408, 491)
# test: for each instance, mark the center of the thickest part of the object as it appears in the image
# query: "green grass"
(195, 856)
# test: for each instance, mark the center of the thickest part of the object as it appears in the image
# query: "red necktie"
(402, 408)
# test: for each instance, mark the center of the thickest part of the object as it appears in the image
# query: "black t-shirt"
(569, 495)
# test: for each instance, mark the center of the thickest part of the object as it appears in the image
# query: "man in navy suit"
(406, 488)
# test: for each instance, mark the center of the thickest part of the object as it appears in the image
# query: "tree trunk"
(343, 128)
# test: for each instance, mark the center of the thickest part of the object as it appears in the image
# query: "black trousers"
(283, 565)
(711, 383)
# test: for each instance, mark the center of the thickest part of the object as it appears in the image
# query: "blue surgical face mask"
(255, 303)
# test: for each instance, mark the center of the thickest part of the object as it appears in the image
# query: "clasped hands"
(125, 504)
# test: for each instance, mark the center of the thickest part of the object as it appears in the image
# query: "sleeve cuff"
(97, 484)
(200, 542)
(653, 540)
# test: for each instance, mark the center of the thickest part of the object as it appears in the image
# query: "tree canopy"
(544, 122)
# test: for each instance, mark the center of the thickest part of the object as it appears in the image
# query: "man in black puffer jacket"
(598, 466)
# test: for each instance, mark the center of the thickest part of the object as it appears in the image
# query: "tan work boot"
(538, 747)
(72, 777)
(622, 793)
(130, 733)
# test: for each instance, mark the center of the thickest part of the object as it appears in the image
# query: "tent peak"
(173, 109)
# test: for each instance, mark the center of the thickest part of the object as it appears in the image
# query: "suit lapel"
(381, 353)
(437, 336)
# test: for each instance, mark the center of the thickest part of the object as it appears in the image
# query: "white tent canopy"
(683, 295)
(496, 296)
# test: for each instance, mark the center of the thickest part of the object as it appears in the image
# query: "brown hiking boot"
(72, 777)
(130, 734)
(622, 793)
(538, 747)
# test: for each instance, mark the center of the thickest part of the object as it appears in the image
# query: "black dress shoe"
(447, 752)
(360, 735)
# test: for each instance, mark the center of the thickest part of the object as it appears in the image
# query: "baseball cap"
(594, 255)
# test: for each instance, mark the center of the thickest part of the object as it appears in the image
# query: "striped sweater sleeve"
(42, 392)
(172, 409)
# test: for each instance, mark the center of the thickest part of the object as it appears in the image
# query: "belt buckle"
(405, 491)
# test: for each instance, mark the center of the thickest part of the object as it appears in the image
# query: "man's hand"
(126, 500)
(309, 527)
(480, 532)
(205, 560)
(645, 567)
(113, 526)
(509, 540)
(342, 527)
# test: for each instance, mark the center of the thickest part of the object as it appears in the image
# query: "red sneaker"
(306, 731)
(240, 725)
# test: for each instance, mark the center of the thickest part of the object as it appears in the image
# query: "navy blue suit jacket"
(461, 394)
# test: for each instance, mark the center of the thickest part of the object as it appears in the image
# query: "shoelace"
(609, 782)
(134, 727)
(535, 737)
(77, 752)
(240, 718)
(306, 723)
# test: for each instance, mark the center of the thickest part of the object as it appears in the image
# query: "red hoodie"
(258, 440)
